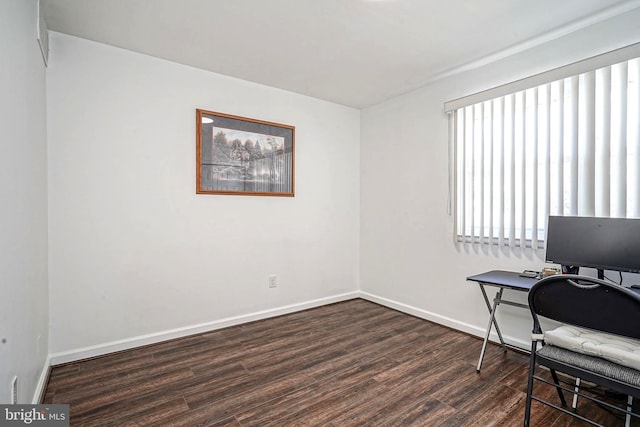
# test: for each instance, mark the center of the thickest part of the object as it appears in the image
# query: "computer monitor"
(600, 243)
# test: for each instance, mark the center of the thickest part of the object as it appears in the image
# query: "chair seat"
(621, 350)
(594, 364)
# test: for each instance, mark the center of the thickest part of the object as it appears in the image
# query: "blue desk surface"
(504, 279)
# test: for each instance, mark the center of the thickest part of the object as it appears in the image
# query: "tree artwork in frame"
(238, 155)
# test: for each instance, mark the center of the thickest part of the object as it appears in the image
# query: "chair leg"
(532, 367)
(558, 389)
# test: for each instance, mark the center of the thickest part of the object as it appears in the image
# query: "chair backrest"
(587, 302)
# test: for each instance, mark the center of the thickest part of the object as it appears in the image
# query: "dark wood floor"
(348, 364)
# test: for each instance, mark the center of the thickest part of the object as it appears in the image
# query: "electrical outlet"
(273, 281)
(14, 390)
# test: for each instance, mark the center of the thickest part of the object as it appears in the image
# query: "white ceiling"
(352, 52)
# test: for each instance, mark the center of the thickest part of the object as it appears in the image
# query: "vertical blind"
(566, 147)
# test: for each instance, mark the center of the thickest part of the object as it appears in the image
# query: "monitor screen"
(601, 243)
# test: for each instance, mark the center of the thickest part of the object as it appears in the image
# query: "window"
(568, 146)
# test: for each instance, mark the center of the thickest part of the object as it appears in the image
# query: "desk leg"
(492, 322)
(497, 300)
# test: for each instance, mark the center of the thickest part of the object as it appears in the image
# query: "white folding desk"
(502, 280)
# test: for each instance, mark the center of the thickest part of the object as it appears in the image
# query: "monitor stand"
(570, 269)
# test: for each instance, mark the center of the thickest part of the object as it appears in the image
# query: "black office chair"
(596, 305)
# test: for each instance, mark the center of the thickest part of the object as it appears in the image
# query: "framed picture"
(238, 155)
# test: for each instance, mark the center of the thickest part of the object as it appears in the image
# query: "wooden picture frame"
(242, 156)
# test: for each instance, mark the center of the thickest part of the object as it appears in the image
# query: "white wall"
(23, 192)
(133, 249)
(408, 257)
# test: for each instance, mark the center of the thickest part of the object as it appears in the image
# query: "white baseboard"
(129, 343)
(446, 321)
(38, 394)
